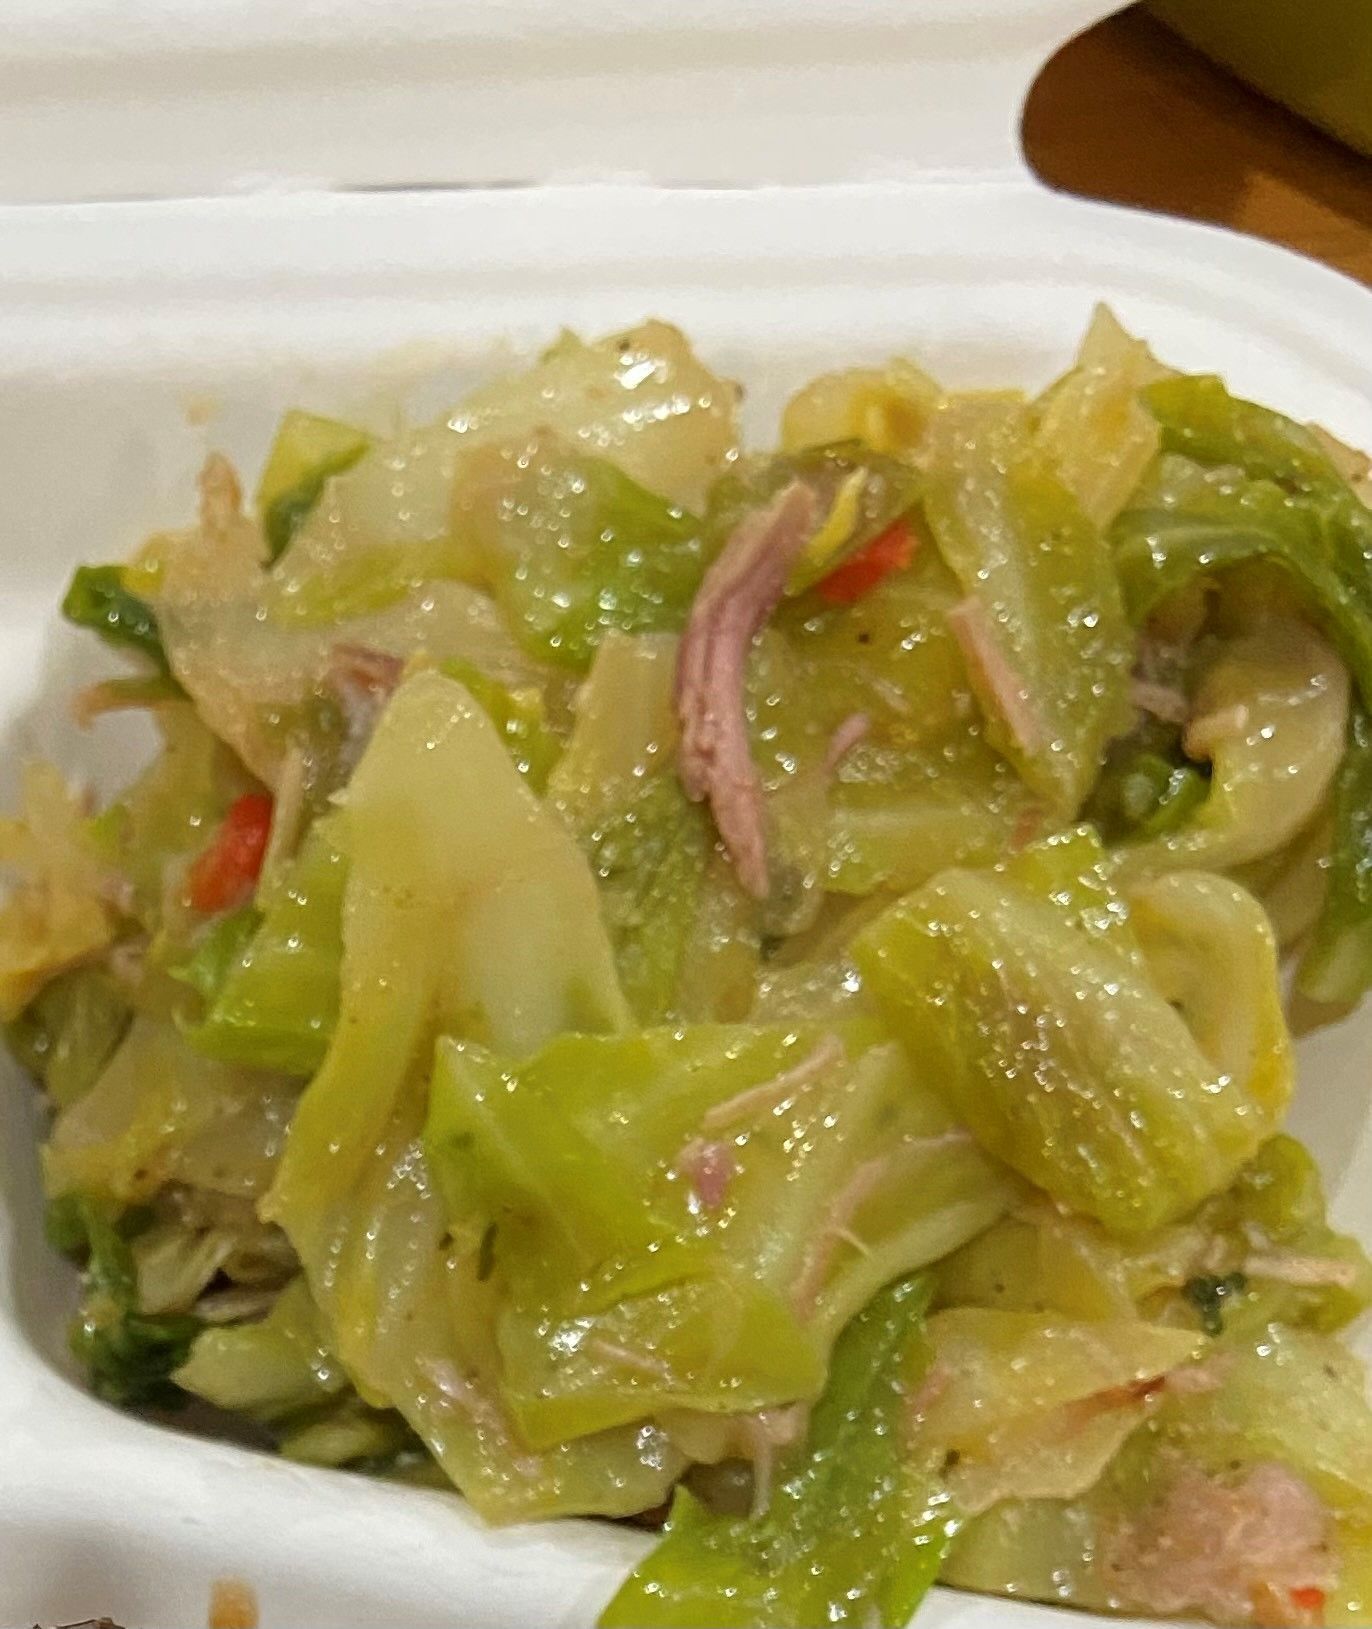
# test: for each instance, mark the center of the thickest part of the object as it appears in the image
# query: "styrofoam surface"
(115, 322)
(165, 98)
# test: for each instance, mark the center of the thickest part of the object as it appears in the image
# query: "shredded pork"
(771, 1094)
(972, 628)
(1245, 1550)
(853, 729)
(740, 591)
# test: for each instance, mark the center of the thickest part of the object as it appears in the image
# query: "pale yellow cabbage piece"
(1271, 716)
(58, 912)
(467, 908)
(886, 408)
(1093, 424)
(1030, 1406)
(161, 1113)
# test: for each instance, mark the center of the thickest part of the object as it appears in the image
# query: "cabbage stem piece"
(1042, 627)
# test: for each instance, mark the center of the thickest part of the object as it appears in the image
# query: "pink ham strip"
(710, 1169)
(771, 1094)
(740, 591)
(853, 729)
(1163, 701)
(976, 637)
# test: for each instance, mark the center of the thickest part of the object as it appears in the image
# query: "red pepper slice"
(224, 874)
(891, 550)
(1308, 1600)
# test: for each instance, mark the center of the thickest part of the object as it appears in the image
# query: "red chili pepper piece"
(1308, 1600)
(224, 874)
(891, 550)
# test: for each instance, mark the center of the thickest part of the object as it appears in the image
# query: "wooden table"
(1129, 112)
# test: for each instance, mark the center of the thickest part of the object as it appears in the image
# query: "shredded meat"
(643, 1362)
(853, 729)
(363, 680)
(1163, 701)
(766, 1431)
(977, 641)
(836, 1231)
(770, 1094)
(1242, 1551)
(709, 1167)
(740, 591)
(480, 1407)
(1314, 1271)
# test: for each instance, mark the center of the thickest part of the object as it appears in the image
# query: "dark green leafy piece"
(1209, 1295)
(1255, 486)
(67, 1033)
(1337, 967)
(218, 950)
(1190, 522)
(129, 1356)
(307, 451)
(97, 599)
(1148, 787)
(857, 1528)
(1200, 419)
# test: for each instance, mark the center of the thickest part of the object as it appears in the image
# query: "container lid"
(164, 98)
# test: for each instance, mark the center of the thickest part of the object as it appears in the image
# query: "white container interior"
(117, 322)
(160, 98)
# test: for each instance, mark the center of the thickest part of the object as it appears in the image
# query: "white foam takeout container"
(122, 323)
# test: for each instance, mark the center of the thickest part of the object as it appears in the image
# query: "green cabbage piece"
(636, 1284)
(1043, 1002)
(572, 547)
(160, 1113)
(128, 1355)
(282, 1370)
(521, 717)
(1337, 965)
(450, 858)
(647, 845)
(1214, 1270)
(919, 789)
(1284, 1399)
(269, 1369)
(1274, 696)
(67, 1033)
(306, 452)
(1043, 628)
(272, 1003)
(857, 1527)
(97, 599)
(1187, 522)
(1201, 420)
(639, 398)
